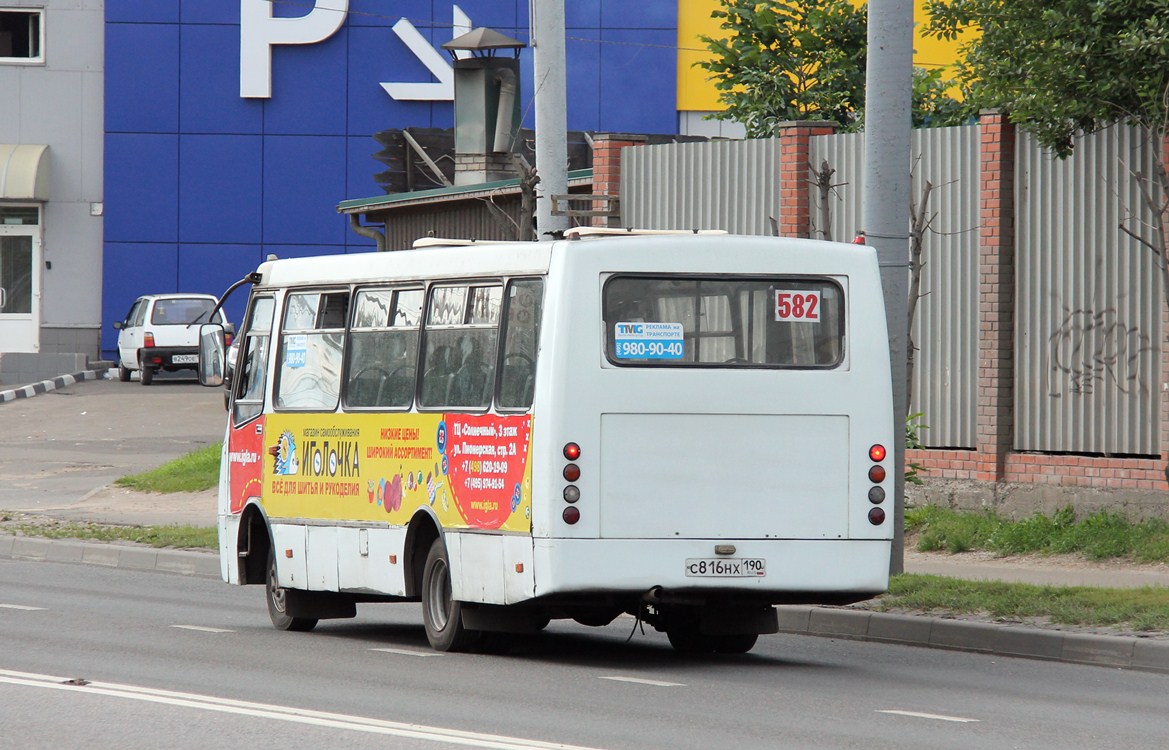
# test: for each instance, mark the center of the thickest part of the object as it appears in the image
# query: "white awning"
(24, 172)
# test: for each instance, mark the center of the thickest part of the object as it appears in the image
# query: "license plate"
(726, 567)
(185, 359)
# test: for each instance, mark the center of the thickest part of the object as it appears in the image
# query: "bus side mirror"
(211, 354)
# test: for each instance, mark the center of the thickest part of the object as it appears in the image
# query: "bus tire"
(441, 614)
(687, 640)
(278, 603)
(739, 643)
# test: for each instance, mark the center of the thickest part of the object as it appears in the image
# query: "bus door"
(246, 433)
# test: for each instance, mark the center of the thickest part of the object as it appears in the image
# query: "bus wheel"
(687, 640)
(278, 603)
(441, 614)
(739, 643)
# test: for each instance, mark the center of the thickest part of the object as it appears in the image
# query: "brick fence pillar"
(795, 191)
(996, 294)
(607, 170)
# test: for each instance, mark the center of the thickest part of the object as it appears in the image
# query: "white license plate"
(185, 359)
(726, 567)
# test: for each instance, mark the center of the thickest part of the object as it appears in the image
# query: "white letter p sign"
(259, 31)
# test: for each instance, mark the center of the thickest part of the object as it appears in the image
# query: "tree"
(788, 60)
(1060, 68)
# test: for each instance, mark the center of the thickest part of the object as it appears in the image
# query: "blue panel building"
(204, 176)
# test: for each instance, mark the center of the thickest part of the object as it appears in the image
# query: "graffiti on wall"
(1095, 348)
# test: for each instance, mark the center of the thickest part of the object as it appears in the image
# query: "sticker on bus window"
(796, 306)
(648, 341)
(296, 350)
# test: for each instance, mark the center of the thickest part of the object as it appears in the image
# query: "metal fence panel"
(730, 185)
(1089, 298)
(945, 327)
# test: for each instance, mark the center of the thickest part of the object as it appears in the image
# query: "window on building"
(21, 35)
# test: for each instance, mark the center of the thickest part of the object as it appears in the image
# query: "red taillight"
(877, 474)
(877, 453)
(572, 472)
(571, 515)
(227, 338)
(571, 451)
(876, 516)
(148, 340)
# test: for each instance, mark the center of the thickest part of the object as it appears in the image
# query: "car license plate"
(726, 567)
(185, 359)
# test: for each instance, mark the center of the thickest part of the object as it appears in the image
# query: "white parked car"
(161, 332)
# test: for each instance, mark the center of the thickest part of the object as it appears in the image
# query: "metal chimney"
(487, 106)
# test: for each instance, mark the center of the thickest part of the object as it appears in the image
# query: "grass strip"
(172, 536)
(1104, 535)
(194, 472)
(1141, 609)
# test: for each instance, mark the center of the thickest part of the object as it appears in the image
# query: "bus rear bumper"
(792, 571)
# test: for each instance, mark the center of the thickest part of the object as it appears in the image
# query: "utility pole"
(550, 81)
(885, 213)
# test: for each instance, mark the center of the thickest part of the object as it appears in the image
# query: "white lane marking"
(920, 715)
(22, 607)
(640, 681)
(286, 713)
(202, 629)
(407, 652)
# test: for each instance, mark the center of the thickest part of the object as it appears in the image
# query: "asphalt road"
(60, 446)
(140, 638)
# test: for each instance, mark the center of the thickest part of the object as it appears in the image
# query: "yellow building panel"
(697, 94)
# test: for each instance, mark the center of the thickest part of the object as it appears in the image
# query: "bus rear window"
(724, 322)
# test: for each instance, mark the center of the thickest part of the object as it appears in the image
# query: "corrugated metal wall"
(945, 328)
(731, 185)
(1089, 298)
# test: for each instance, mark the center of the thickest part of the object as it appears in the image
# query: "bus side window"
(252, 367)
(383, 348)
(521, 338)
(311, 342)
(462, 328)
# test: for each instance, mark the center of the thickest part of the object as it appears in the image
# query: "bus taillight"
(571, 515)
(877, 452)
(571, 451)
(572, 472)
(877, 474)
(876, 516)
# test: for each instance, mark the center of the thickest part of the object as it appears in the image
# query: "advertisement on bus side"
(471, 470)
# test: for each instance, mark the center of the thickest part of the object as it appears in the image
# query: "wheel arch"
(253, 542)
(421, 532)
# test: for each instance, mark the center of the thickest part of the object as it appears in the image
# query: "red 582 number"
(791, 305)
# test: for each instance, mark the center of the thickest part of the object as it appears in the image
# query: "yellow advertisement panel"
(472, 471)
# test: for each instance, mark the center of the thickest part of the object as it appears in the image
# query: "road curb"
(121, 556)
(44, 386)
(1143, 654)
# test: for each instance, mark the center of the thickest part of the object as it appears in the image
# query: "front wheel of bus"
(441, 614)
(278, 603)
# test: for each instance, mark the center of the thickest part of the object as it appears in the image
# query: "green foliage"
(194, 472)
(787, 60)
(1140, 609)
(1100, 536)
(1060, 67)
(913, 425)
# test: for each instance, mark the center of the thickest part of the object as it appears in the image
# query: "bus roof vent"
(423, 242)
(584, 233)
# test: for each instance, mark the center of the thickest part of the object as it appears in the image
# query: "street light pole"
(885, 214)
(550, 81)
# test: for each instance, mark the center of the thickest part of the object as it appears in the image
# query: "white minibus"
(688, 429)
